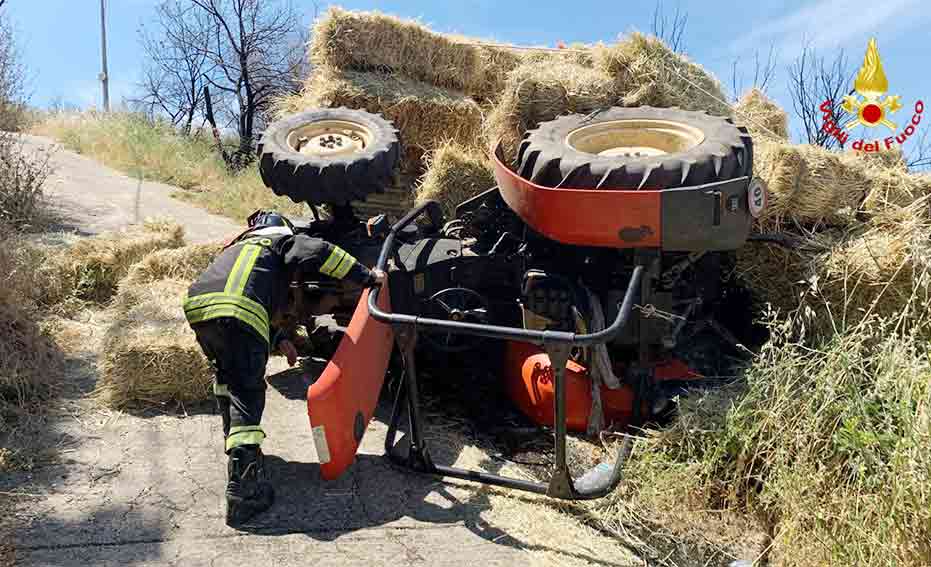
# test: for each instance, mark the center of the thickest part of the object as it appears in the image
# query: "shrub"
(22, 176)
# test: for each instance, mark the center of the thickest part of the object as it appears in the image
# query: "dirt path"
(91, 198)
(122, 489)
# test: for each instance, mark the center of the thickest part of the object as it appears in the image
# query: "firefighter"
(233, 308)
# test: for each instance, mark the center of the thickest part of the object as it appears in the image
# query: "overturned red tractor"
(579, 278)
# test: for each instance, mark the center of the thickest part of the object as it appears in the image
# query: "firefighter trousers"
(239, 357)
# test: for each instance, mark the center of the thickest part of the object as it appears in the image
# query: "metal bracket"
(560, 485)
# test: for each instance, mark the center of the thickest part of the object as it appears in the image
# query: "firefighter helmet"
(263, 219)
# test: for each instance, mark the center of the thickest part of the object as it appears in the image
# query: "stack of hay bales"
(859, 227)
(151, 356)
(440, 89)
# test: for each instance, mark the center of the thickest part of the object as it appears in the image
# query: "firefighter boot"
(247, 492)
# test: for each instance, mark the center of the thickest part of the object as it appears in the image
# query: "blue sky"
(61, 41)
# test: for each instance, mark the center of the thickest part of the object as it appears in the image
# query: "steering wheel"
(455, 304)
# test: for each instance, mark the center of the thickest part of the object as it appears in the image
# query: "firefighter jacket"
(249, 280)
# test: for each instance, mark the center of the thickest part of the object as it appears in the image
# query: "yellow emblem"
(871, 84)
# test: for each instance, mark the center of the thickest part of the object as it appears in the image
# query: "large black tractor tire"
(635, 148)
(329, 155)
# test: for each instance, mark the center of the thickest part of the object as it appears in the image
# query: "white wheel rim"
(635, 138)
(330, 138)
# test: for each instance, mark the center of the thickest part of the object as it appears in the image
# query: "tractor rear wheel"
(635, 148)
(329, 155)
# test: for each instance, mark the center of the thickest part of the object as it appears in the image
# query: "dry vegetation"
(150, 354)
(156, 152)
(826, 447)
(454, 174)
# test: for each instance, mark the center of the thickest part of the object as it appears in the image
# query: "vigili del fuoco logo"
(870, 107)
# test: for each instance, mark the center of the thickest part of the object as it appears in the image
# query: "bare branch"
(763, 72)
(815, 81)
(247, 51)
(919, 157)
(671, 31)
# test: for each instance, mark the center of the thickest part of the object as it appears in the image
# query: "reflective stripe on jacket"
(249, 280)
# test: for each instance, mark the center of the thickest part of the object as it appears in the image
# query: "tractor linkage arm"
(597, 482)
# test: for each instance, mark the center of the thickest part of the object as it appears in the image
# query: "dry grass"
(185, 263)
(154, 151)
(22, 179)
(763, 117)
(151, 357)
(454, 174)
(540, 91)
(827, 444)
(30, 362)
(648, 73)
(425, 115)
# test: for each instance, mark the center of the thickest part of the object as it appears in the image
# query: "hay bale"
(370, 41)
(91, 269)
(810, 185)
(375, 42)
(837, 278)
(425, 115)
(539, 91)
(882, 272)
(647, 72)
(151, 356)
(395, 202)
(454, 174)
(185, 263)
(780, 276)
(891, 185)
(762, 116)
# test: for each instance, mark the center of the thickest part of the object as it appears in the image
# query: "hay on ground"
(762, 116)
(541, 91)
(151, 356)
(185, 263)
(454, 174)
(647, 72)
(425, 115)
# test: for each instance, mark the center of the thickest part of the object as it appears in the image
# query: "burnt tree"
(175, 71)
(247, 52)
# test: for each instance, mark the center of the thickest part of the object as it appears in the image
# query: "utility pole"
(104, 79)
